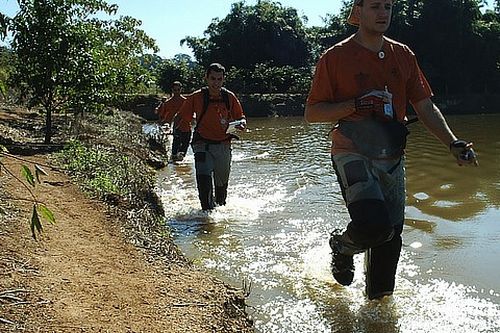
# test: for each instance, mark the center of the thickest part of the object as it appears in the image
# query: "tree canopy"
(457, 44)
(69, 59)
(264, 33)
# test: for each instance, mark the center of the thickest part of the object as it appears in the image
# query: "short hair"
(216, 67)
(176, 83)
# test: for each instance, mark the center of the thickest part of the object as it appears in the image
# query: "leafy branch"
(39, 209)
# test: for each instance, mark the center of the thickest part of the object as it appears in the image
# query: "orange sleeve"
(417, 88)
(236, 109)
(186, 113)
(322, 87)
(160, 111)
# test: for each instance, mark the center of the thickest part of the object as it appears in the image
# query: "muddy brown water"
(283, 201)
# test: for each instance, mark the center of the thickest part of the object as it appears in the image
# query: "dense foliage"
(458, 45)
(249, 35)
(266, 47)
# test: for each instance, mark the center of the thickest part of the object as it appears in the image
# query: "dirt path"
(83, 276)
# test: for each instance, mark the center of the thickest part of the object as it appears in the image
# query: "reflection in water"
(439, 188)
(283, 201)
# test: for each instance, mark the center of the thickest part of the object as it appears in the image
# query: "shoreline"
(171, 283)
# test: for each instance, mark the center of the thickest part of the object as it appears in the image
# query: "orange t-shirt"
(214, 123)
(168, 109)
(348, 70)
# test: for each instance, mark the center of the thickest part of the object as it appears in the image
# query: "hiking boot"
(342, 265)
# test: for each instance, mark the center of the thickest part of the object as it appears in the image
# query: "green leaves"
(36, 224)
(46, 214)
(28, 175)
(278, 31)
(39, 209)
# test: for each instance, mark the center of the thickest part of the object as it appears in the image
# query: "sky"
(169, 21)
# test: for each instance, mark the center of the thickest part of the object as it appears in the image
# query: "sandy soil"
(83, 275)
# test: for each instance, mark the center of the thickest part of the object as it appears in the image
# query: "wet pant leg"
(184, 138)
(381, 262)
(374, 194)
(380, 267)
(204, 165)
(222, 169)
(176, 142)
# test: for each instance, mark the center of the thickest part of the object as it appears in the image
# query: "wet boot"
(205, 190)
(221, 195)
(342, 265)
(381, 263)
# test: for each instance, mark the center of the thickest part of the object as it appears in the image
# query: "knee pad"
(370, 225)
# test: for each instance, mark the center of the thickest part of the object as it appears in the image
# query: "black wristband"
(458, 144)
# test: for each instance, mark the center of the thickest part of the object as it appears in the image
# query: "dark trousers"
(213, 165)
(180, 143)
(374, 192)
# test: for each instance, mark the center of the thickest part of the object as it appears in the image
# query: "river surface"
(272, 236)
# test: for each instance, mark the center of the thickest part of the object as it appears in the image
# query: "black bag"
(376, 139)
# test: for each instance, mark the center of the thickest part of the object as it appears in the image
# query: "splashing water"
(282, 202)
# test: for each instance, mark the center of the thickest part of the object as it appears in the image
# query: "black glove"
(463, 152)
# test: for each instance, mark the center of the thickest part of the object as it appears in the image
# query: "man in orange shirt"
(364, 84)
(168, 113)
(218, 112)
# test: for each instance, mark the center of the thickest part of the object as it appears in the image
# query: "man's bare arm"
(325, 112)
(434, 121)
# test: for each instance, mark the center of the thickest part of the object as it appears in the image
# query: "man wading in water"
(364, 84)
(218, 114)
(168, 112)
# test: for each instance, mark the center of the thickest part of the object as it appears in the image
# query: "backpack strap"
(225, 98)
(206, 101)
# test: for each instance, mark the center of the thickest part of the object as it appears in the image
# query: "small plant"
(39, 209)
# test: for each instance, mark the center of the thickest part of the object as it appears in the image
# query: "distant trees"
(267, 47)
(264, 33)
(264, 47)
(457, 46)
(7, 67)
(4, 21)
(180, 68)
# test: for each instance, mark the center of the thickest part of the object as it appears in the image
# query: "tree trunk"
(48, 125)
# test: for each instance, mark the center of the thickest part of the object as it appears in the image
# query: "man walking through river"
(364, 85)
(168, 113)
(218, 113)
